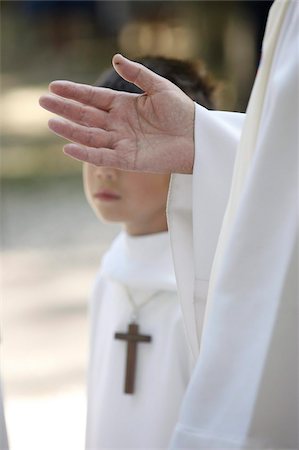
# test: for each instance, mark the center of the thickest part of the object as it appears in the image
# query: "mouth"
(106, 195)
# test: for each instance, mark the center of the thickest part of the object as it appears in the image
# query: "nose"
(106, 173)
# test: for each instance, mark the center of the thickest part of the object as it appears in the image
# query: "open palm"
(147, 132)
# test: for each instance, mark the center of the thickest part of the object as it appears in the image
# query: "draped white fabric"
(244, 390)
(146, 418)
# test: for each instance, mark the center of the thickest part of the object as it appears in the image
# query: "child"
(140, 363)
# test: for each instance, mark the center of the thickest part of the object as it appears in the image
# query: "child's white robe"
(145, 419)
(243, 392)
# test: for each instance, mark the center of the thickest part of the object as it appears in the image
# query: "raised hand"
(150, 132)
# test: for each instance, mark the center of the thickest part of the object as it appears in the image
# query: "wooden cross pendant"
(132, 337)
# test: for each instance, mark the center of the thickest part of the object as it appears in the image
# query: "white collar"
(141, 262)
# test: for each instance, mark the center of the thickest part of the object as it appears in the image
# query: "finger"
(83, 93)
(98, 156)
(82, 114)
(140, 75)
(92, 137)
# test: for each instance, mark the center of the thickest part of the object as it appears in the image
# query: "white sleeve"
(196, 206)
(217, 136)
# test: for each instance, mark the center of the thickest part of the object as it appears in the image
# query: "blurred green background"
(46, 40)
(51, 244)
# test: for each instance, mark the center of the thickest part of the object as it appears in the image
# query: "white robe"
(243, 393)
(145, 419)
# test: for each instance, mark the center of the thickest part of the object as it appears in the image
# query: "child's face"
(138, 200)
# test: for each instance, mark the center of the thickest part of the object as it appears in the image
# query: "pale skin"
(137, 200)
(150, 132)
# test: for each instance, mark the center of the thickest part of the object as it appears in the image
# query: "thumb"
(139, 75)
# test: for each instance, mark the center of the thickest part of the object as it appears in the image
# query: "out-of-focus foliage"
(46, 40)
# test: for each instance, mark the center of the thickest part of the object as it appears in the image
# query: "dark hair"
(190, 78)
